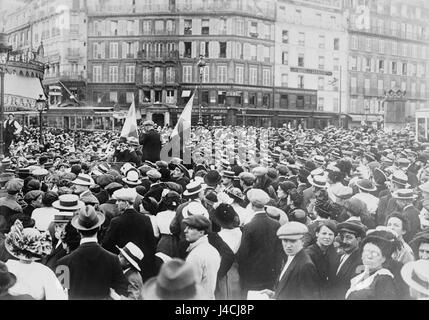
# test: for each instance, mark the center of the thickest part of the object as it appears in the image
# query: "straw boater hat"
(404, 194)
(318, 181)
(366, 185)
(132, 253)
(176, 281)
(27, 244)
(132, 177)
(416, 275)
(193, 187)
(68, 202)
(83, 180)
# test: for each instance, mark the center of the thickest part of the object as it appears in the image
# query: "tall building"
(388, 50)
(311, 50)
(60, 25)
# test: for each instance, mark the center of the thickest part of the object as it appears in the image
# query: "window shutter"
(260, 52)
(103, 50)
(124, 50)
(105, 73)
(137, 27)
(246, 51)
(106, 27)
(228, 50)
(122, 27)
(216, 49)
(202, 47)
(95, 50)
(196, 26)
(136, 48)
(194, 49)
(214, 24)
(181, 48)
(121, 73)
(181, 27)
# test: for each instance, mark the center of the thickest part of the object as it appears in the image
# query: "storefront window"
(87, 123)
(108, 123)
(79, 123)
(72, 123)
(98, 123)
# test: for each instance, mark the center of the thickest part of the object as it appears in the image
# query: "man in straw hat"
(131, 226)
(366, 187)
(130, 256)
(298, 278)
(405, 198)
(416, 276)
(90, 271)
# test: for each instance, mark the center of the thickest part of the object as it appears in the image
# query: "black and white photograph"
(232, 151)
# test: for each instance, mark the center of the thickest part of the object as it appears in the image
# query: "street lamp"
(4, 57)
(201, 65)
(41, 106)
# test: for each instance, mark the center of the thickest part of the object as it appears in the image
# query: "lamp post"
(4, 57)
(41, 106)
(201, 64)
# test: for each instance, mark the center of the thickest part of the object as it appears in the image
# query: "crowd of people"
(257, 213)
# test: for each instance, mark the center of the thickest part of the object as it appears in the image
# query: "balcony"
(158, 56)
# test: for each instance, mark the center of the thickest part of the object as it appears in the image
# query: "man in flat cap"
(203, 257)
(260, 254)
(349, 263)
(298, 278)
(247, 181)
(9, 205)
(151, 142)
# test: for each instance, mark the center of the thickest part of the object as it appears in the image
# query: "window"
(158, 75)
(380, 86)
(321, 62)
(170, 97)
(353, 63)
(381, 46)
(381, 66)
(96, 73)
(238, 50)
(113, 96)
(130, 97)
(300, 60)
(300, 102)
(222, 27)
(394, 48)
(170, 26)
(253, 76)
(285, 57)
(354, 42)
(188, 26)
(413, 88)
(266, 100)
(222, 49)
(368, 44)
(422, 90)
(337, 43)
(128, 51)
(267, 54)
(205, 28)
(147, 26)
(129, 73)
(239, 74)
(393, 84)
(113, 50)
(170, 74)
(252, 98)
(336, 64)
(320, 103)
(113, 74)
(267, 31)
(285, 36)
(301, 81)
(404, 68)
(321, 42)
(188, 49)
(301, 39)
(240, 27)
(321, 83)
(266, 77)
(130, 27)
(159, 26)
(394, 67)
(367, 64)
(253, 29)
(147, 75)
(187, 74)
(221, 74)
(114, 28)
(221, 97)
(284, 80)
(158, 96)
(253, 52)
(206, 75)
(367, 85)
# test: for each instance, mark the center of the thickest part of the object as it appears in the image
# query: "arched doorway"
(159, 119)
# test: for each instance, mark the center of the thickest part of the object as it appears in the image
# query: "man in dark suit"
(298, 279)
(90, 271)
(260, 254)
(349, 263)
(151, 142)
(404, 198)
(131, 226)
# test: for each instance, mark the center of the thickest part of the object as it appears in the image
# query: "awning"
(20, 86)
(186, 93)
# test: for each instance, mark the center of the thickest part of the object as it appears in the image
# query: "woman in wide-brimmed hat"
(29, 245)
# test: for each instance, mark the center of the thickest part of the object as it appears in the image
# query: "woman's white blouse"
(36, 280)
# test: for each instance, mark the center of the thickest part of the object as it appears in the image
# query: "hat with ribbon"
(87, 219)
(416, 275)
(194, 187)
(83, 180)
(366, 185)
(318, 181)
(133, 254)
(404, 194)
(68, 202)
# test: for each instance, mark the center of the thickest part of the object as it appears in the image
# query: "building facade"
(311, 52)
(59, 25)
(388, 50)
